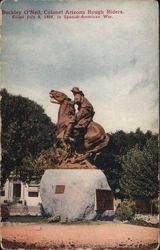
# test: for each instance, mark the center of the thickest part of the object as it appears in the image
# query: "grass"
(27, 219)
(44, 220)
(40, 219)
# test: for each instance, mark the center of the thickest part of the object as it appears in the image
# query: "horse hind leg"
(89, 144)
(97, 145)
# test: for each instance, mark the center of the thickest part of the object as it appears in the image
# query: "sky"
(113, 61)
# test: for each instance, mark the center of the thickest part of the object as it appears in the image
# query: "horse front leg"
(57, 154)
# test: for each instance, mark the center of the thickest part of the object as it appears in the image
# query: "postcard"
(79, 111)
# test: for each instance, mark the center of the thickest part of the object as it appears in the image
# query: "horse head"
(57, 97)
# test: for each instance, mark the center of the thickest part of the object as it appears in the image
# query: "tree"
(47, 159)
(26, 131)
(139, 178)
(109, 159)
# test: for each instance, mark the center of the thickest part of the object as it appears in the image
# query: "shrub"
(126, 210)
(64, 220)
(54, 219)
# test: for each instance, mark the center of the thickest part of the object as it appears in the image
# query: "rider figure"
(83, 116)
(70, 121)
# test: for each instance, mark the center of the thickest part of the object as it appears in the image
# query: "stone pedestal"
(72, 194)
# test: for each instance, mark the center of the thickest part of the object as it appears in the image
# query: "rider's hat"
(76, 90)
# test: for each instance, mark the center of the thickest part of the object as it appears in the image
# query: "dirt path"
(107, 235)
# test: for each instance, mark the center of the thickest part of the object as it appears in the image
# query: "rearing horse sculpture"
(94, 138)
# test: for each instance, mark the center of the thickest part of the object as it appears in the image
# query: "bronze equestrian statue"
(89, 137)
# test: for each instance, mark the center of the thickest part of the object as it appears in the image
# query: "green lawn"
(40, 219)
(27, 219)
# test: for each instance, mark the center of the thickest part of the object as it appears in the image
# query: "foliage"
(140, 171)
(26, 131)
(57, 218)
(109, 159)
(64, 220)
(47, 159)
(126, 210)
(54, 219)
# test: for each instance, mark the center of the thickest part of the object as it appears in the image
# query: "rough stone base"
(71, 193)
